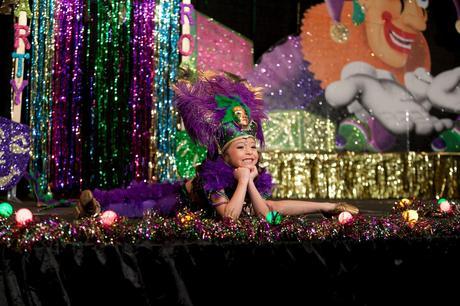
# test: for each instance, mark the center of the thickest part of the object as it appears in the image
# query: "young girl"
(225, 116)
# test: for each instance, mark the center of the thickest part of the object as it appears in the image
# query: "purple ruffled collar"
(217, 175)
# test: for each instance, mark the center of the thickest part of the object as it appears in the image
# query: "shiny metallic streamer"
(167, 62)
(88, 112)
(40, 97)
(142, 82)
(111, 91)
(67, 90)
(363, 175)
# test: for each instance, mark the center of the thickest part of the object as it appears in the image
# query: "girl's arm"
(232, 208)
(259, 203)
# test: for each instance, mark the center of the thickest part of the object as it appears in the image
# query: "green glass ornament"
(273, 217)
(6, 209)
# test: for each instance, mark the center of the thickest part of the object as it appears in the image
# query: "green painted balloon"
(6, 209)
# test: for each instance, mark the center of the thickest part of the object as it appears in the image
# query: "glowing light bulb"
(445, 207)
(24, 216)
(410, 216)
(345, 217)
(109, 217)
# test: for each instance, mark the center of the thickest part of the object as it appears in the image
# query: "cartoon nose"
(414, 16)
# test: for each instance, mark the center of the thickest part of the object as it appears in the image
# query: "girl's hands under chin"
(253, 172)
(242, 174)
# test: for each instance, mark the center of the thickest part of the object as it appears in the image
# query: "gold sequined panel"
(363, 175)
(294, 130)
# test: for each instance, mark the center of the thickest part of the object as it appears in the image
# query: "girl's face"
(242, 153)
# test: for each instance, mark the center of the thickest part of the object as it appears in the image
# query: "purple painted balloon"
(340, 142)
(381, 139)
(438, 145)
(14, 152)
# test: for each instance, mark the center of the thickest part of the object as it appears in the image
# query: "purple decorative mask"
(14, 152)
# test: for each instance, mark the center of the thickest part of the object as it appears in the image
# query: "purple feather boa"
(138, 197)
(164, 197)
(217, 175)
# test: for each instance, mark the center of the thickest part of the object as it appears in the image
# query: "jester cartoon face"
(392, 26)
(14, 152)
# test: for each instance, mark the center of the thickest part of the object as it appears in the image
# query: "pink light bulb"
(109, 217)
(445, 207)
(23, 216)
(345, 217)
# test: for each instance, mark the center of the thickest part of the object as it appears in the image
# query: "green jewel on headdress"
(234, 110)
(236, 122)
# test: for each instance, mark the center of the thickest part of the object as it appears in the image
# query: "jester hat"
(219, 109)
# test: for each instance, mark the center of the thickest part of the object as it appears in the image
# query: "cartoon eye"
(423, 3)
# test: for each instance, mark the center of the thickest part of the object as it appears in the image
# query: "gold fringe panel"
(351, 175)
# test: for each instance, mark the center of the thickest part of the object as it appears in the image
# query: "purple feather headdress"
(206, 119)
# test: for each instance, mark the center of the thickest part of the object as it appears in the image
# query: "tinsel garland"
(192, 226)
(111, 91)
(88, 112)
(40, 98)
(67, 89)
(167, 63)
(100, 136)
(141, 91)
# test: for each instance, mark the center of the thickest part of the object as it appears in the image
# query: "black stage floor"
(336, 271)
(66, 211)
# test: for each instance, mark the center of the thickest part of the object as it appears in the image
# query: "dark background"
(269, 21)
(266, 23)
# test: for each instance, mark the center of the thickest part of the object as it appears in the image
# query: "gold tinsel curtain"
(363, 175)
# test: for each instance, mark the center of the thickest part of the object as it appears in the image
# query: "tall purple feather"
(198, 108)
